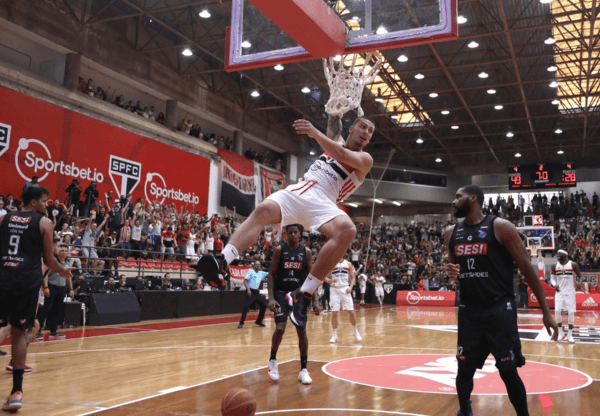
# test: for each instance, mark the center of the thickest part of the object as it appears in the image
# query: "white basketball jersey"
(362, 278)
(335, 179)
(341, 272)
(379, 280)
(564, 277)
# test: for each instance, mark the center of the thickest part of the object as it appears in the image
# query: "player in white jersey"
(312, 203)
(541, 266)
(562, 278)
(378, 280)
(342, 281)
(362, 282)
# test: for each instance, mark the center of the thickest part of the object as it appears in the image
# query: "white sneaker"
(357, 336)
(304, 378)
(333, 338)
(570, 338)
(273, 371)
(561, 334)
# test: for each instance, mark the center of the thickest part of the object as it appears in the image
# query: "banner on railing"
(272, 181)
(238, 274)
(57, 145)
(238, 187)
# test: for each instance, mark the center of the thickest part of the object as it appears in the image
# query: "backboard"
(538, 238)
(271, 32)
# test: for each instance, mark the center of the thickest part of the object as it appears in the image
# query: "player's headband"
(562, 252)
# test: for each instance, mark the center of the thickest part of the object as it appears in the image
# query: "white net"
(346, 84)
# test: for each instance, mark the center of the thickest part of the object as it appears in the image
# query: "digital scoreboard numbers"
(542, 175)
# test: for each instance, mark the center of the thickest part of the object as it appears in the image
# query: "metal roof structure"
(524, 78)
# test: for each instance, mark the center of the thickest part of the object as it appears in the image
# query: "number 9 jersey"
(21, 248)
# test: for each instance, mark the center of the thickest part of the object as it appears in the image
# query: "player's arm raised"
(334, 129)
(358, 160)
(271, 279)
(507, 234)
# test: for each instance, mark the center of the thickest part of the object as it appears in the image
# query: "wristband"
(45, 287)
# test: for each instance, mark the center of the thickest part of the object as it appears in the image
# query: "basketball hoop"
(346, 84)
(533, 249)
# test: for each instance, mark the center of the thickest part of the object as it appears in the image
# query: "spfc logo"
(124, 174)
(388, 288)
(4, 138)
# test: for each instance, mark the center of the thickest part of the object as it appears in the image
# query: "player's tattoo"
(334, 127)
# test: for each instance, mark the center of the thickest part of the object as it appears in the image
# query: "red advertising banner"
(273, 181)
(412, 297)
(238, 188)
(41, 139)
(239, 272)
(584, 301)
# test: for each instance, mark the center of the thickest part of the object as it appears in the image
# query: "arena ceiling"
(522, 79)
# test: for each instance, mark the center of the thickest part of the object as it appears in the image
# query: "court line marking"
(589, 379)
(184, 388)
(338, 410)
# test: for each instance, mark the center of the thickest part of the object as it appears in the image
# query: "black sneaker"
(260, 324)
(38, 336)
(213, 270)
(240, 326)
(57, 335)
(459, 413)
(299, 301)
(3, 353)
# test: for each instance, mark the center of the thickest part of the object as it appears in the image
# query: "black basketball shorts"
(18, 309)
(283, 310)
(485, 330)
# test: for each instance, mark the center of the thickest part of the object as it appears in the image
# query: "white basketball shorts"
(378, 291)
(565, 302)
(363, 288)
(338, 297)
(309, 207)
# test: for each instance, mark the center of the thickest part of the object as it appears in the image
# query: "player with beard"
(482, 250)
(290, 265)
(565, 275)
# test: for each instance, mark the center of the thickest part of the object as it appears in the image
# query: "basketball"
(238, 402)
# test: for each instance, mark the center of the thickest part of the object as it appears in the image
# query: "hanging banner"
(238, 274)
(272, 181)
(238, 187)
(57, 145)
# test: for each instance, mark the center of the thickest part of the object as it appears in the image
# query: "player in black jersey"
(25, 236)
(482, 250)
(290, 265)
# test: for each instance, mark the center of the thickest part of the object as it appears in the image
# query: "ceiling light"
(353, 205)
(396, 203)
(419, 76)
(379, 100)
(395, 116)
(560, 152)
(498, 107)
(509, 134)
(558, 131)
(433, 94)
(454, 127)
(381, 30)
(255, 94)
(550, 41)
(473, 44)
(546, 1)
(356, 18)
(187, 52)
(438, 160)
(278, 67)
(379, 201)
(403, 58)
(419, 140)
(150, 20)
(312, 152)
(554, 84)
(205, 14)
(445, 112)
(483, 75)
(337, 58)
(555, 102)
(461, 20)
(246, 44)
(517, 154)
(491, 91)
(552, 68)
(305, 90)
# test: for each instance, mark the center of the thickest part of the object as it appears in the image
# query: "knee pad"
(571, 318)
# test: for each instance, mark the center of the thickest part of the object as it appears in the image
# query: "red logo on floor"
(434, 373)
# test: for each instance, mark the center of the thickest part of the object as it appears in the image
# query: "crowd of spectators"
(269, 160)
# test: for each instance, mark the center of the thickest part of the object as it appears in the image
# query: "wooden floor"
(185, 367)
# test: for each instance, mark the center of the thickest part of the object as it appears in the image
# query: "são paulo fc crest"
(4, 138)
(388, 288)
(124, 174)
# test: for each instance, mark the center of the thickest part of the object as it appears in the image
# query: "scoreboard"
(542, 175)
